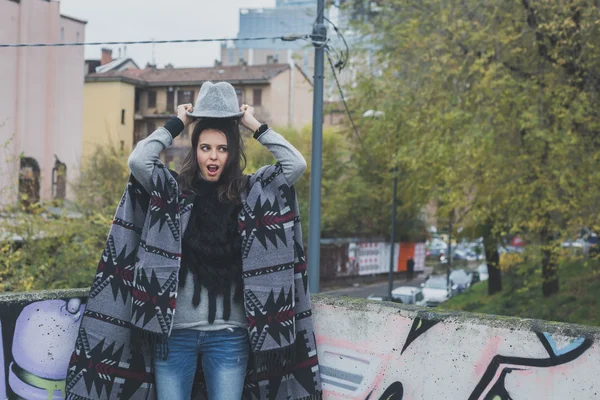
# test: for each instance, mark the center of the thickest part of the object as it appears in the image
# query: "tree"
(496, 103)
(356, 196)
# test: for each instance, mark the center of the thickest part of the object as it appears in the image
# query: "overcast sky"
(116, 20)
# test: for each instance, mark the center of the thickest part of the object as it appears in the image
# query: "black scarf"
(211, 249)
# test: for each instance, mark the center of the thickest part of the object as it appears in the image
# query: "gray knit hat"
(216, 100)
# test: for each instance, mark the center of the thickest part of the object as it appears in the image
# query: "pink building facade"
(41, 100)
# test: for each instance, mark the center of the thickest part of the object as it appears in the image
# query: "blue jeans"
(224, 360)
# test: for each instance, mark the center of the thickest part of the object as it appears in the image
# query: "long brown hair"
(233, 180)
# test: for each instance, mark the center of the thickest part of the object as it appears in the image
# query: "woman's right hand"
(182, 111)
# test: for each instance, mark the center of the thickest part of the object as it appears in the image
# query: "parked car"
(588, 242)
(483, 272)
(378, 297)
(462, 279)
(592, 247)
(409, 295)
(474, 277)
(435, 253)
(436, 290)
(577, 243)
(459, 254)
(510, 249)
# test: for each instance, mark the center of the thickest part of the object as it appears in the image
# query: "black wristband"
(174, 126)
(263, 128)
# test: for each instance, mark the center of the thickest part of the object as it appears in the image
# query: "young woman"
(210, 320)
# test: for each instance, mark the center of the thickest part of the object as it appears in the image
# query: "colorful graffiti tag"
(380, 352)
(367, 351)
(37, 342)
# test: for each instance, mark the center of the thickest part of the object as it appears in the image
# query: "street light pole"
(449, 264)
(392, 239)
(319, 37)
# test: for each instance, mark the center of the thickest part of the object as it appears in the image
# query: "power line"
(287, 38)
(347, 109)
(342, 61)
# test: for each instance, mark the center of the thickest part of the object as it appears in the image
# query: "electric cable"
(347, 109)
(285, 38)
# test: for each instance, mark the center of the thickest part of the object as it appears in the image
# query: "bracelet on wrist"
(262, 129)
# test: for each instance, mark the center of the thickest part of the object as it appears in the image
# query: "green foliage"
(62, 251)
(494, 106)
(101, 182)
(576, 302)
(355, 198)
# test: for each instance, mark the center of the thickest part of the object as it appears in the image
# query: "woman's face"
(212, 154)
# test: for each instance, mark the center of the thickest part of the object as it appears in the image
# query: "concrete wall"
(289, 99)
(302, 100)
(9, 167)
(367, 350)
(41, 103)
(383, 351)
(103, 103)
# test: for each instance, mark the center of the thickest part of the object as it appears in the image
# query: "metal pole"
(319, 37)
(449, 268)
(391, 273)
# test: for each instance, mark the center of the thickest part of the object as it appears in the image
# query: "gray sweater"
(141, 163)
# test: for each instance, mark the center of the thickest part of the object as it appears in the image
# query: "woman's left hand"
(248, 119)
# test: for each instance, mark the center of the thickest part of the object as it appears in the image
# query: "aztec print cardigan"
(129, 313)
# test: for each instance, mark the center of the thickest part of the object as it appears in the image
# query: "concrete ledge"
(367, 350)
(28, 297)
(459, 317)
(379, 350)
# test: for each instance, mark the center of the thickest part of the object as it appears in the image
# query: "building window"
(123, 116)
(257, 97)
(171, 100)
(231, 56)
(152, 99)
(270, 60)
(238, 93)
(29, 182)
(137, 131)
(151, 125)
(185, 97)
(62, 34)
(77, 37)
(59, 180)
(137, 101)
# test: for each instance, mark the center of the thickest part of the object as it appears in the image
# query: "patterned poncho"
(131, 304)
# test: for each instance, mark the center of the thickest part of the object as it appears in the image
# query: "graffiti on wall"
(36, 344)
(397, 357)
(372, 354)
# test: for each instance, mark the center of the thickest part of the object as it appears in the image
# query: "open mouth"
(212, 169)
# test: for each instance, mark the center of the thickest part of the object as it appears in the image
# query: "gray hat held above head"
(216, 100)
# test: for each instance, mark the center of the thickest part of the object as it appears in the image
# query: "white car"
(462, 279)
(375, 297)
(483, 272)
(379, 297)
(409, 295)
(436, 290)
